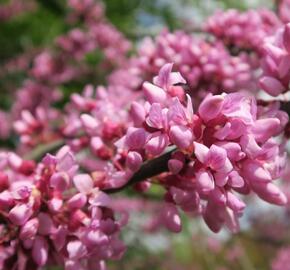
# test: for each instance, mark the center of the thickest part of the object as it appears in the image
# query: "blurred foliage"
(135, 18)
(35, 29)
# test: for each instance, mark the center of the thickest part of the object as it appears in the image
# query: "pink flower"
(275, 78)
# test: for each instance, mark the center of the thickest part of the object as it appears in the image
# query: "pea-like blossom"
(229, 147)
(55, 215)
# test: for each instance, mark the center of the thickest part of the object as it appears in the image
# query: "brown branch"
(149, 169)
(285, 106)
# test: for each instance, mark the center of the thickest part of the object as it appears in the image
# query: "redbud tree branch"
(149, 169)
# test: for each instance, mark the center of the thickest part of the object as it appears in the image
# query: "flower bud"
(154, 93)
(29, 229)
(210, 107)
(181, 136)
(134, 161)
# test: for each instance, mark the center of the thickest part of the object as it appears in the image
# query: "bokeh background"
(34, 25)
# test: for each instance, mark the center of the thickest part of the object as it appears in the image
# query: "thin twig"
(39, 152)
(149, 169)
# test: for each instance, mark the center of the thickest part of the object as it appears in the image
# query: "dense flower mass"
(227, 147)
(276, 75)
(207, 67)
(183, 112)
(243, 30)
(60, 215)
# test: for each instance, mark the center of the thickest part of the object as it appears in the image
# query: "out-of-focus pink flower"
(245, 30)
(56, 215)
(206, 67)
(14, 8)
(284, 10)
(282, 260)
(276, 75)
(228, 147)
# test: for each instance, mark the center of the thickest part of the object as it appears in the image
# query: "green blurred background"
(195, 248)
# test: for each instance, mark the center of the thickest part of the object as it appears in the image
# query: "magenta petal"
(73, 265)
(231, 220)
(200, 151)
(99, 198)
(134, 161)
(154, 93)
(163, 78)
(83, 183)
(155, 118)
(211, 107)
(77, 201)
(235, 203)
(216, 157)
(205, 181)
(286, 37)
(270, 193)
(29, 229)
(55, 204)
(181, 136)
(65, 158)
(272, 86)
(264, 129)
(254, 172)
(135, 138)
(284, 66)
(157, 144)
(137, 113)
(40, 251)
(212, 218)
(76, 249)
(235, 180)
(177, 113)
(59, 181)
(46, 226)
(89, 122)
(20, 213)
(59, 237)
(171, 218)
(175, 165)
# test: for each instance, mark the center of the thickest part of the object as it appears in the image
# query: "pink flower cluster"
(207, 67)
(90, 10)
(37, 128)
(57, 211)
(52, 215)
(244, 30)
(227, 147)
(98, 33)
(276, 68)
(15, 7)
(65, 62)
